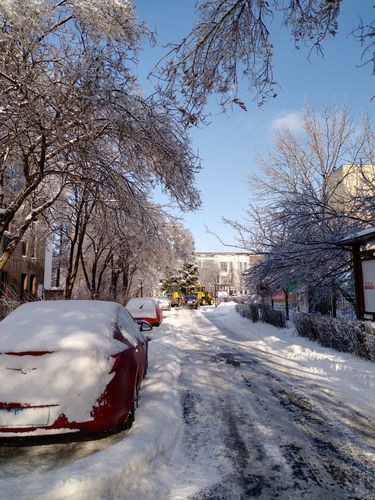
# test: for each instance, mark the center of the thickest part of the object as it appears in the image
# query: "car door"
(131, 330)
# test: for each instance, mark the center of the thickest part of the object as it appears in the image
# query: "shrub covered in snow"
(242, 309)
(249, 311)
(275, 318)
(357, 337)
(254, 312)
(267, 315)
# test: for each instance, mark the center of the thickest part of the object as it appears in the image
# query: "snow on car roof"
(61, 325)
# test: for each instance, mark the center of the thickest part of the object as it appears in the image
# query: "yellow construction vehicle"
(208, 299)
(176, 299)
(204, 297)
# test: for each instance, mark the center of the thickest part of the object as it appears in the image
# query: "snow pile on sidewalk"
(346, 374)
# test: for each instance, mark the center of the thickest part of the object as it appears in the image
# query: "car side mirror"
(145, 326)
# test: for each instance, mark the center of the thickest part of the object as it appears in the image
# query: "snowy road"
(282, 437)
(230, 410)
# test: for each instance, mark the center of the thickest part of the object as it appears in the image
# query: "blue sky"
(229, 145)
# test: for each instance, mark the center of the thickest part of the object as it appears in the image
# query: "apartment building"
(22, 276)
(350, 181)
(224, 268)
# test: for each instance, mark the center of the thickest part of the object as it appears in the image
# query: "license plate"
(24, 417)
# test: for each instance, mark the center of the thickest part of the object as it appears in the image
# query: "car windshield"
(141, 306)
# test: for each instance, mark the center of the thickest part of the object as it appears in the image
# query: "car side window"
(129, 328)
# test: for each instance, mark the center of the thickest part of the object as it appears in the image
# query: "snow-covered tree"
(184, 279)
(300, 216)
(189, 276)
(71, 110)
(232, 42)
(209, 275)
(113, 245)
(160, 244)
(182, 244)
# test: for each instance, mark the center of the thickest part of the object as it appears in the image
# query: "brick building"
(23, 275)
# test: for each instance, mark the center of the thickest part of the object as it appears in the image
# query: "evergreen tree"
(184, 280)
(189, 277)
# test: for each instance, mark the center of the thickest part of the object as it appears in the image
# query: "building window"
(33, 247)
(23, 287)
(3, 282)
(33, 286)
(7, 240)
(23, 248)
(224, 266)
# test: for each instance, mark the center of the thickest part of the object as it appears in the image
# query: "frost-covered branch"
(307, 203)
(72, 111)
(230, 43)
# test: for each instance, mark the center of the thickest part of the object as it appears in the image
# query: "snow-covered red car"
(164, 302)
(70, 366)
(145, 308)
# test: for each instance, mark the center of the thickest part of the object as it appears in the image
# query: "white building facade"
(225, 268)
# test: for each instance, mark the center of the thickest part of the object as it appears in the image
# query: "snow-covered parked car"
(69, 366)
(164, 302)
(145, 308)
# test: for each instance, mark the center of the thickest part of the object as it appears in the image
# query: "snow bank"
(342, 373)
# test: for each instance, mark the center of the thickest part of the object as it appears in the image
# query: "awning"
(360, 238)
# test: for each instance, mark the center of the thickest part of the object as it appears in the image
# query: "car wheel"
(136, 396)
(131, 417)
(136, 390)
(128, 421)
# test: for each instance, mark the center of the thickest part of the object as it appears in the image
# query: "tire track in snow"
(288, 440)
